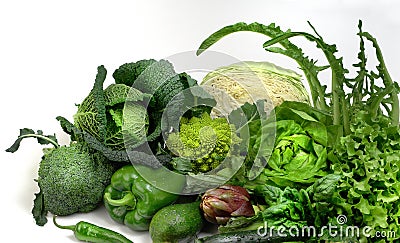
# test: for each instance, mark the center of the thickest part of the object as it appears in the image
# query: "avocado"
(176, 223)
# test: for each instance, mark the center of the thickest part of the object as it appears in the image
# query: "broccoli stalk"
(204, 141)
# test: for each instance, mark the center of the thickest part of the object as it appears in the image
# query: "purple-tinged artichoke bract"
(224, 202)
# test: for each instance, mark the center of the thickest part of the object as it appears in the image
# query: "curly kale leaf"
(193, 102)
(159, 79)
(69, 128)
(170, 96)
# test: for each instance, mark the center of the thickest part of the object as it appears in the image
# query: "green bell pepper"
(132, 200)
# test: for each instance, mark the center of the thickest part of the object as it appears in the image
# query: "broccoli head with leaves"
(72, 178)
(206, 142)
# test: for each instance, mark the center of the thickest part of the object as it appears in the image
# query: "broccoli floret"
(203, 140)
(72, 179)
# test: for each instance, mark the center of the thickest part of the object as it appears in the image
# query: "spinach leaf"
(290, 207)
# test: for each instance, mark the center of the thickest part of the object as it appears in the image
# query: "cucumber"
(250, 236)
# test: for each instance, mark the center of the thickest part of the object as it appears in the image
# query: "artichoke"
(224, 202)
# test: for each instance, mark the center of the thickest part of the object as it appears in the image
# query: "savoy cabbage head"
(116, 116)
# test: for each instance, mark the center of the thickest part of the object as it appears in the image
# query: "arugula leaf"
(297, 111)
(338, 72)
(340, 101)
(390, 86)
(29, 133)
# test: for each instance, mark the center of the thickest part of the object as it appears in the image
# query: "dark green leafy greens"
(172, 95)
(363, 137)
(132, 124)
(157, 78)
(290, 207)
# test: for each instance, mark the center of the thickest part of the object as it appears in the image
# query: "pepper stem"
(69, 227)
(127, 200)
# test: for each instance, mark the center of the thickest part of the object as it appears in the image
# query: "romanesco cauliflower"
(204, 141)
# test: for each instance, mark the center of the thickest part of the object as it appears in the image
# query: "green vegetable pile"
(151, 148)
(351, 132)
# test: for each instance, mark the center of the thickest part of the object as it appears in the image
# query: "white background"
(49, 52)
